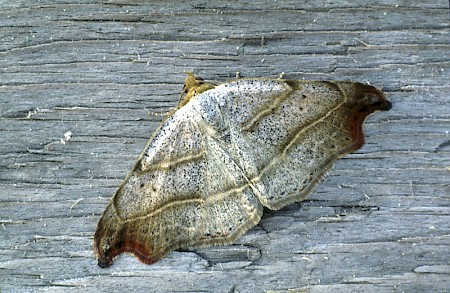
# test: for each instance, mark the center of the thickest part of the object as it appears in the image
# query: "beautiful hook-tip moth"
(226, 152)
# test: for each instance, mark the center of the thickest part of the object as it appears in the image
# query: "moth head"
(193, 85)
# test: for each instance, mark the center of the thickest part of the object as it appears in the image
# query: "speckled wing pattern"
(208, 171)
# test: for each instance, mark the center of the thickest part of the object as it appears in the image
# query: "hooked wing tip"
(113, 238)
(374, 98)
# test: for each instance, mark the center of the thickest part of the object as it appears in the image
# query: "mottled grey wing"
(288, 133)
(184, 191)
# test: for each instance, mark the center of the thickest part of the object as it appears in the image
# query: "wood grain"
(107, 71)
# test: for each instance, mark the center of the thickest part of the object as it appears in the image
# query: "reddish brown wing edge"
(375, 101)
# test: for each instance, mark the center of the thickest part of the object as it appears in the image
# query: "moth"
(226, 152)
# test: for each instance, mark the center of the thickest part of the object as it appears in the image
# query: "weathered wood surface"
(379, 223)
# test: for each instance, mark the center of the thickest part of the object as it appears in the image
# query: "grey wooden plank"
(104, 70)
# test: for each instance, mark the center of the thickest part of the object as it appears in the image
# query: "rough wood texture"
(379, 223)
